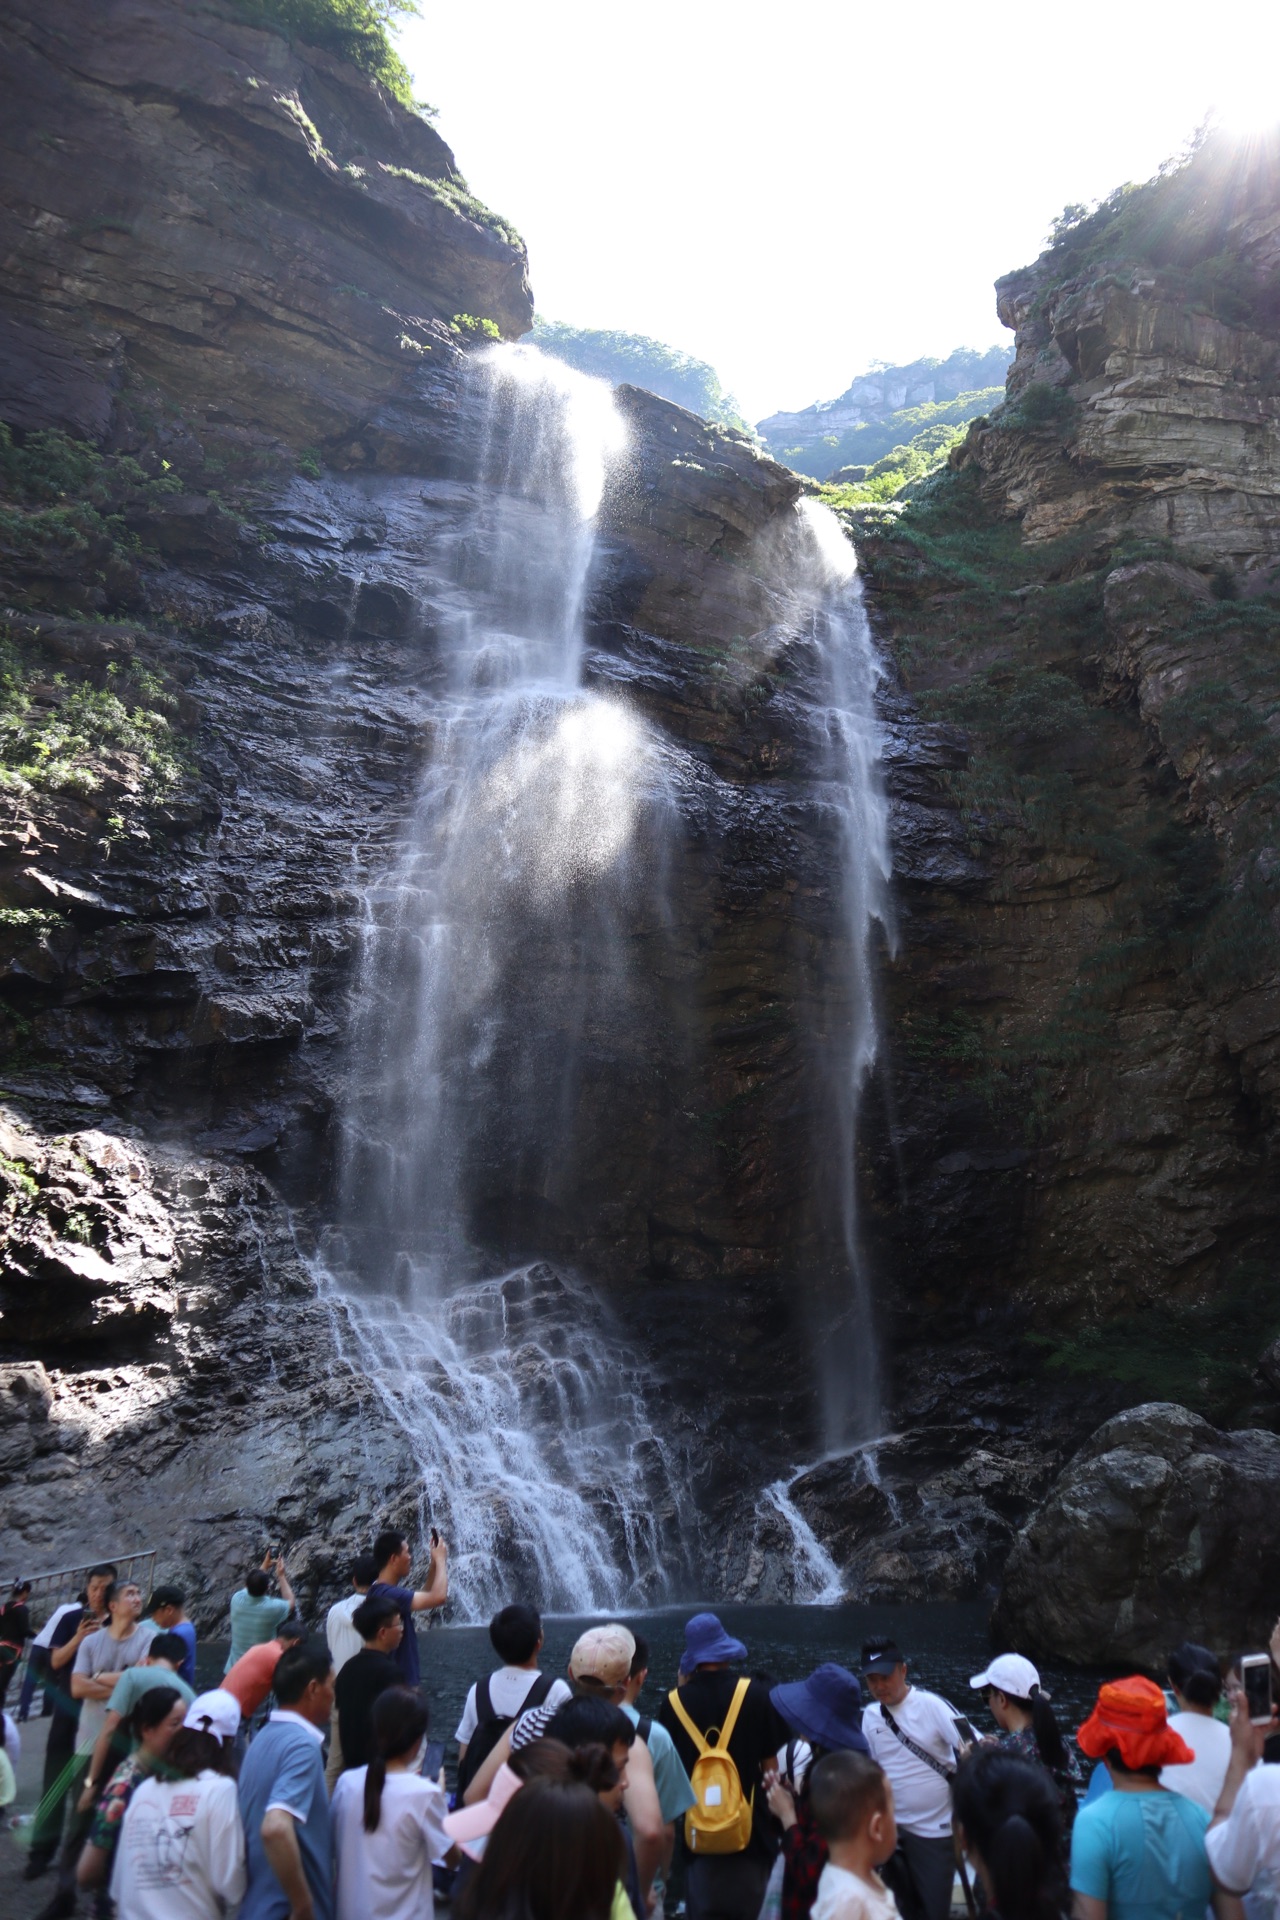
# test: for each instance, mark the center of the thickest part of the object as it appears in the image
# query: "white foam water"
(816, 1579)
(538, 809)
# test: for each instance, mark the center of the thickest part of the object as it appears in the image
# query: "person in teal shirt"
(256, 1612)
(1138, 1853)
(675, 1795)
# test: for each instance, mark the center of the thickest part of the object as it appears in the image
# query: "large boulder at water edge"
(1161, 1529)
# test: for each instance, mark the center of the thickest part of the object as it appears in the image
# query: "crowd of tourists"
(304, 1785)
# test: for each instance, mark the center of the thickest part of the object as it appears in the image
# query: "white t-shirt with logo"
(386, 1874)
(921, 1796)
(181, 1851)
(508, 1690)
(98, 1654)
(846, 1896)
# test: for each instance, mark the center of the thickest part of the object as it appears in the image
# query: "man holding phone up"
(1243, 1841)
(394, 1563)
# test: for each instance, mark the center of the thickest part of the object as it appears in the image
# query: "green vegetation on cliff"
(1002, 648)
(878, 442)
(55, 729)
(639, 361)
(354, 30)
(1185, 222)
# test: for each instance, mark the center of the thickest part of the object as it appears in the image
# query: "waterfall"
(826, 615)
(512, 949)
(540, 819)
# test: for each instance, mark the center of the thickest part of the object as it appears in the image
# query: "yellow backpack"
(720, 1822)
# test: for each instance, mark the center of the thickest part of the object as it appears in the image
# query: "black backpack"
(491, 1726)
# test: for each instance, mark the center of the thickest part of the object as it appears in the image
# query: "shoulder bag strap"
(735, 1708)
(677, 1707)
(484, 1701)
(913, 1747)
(536, 1696)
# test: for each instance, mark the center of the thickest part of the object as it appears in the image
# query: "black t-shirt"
(758, 1734)
(15, 1623)
(366, 1675)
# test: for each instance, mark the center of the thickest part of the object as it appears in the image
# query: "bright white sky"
(791, 191)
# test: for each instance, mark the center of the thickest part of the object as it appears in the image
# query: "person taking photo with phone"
(394, 1564)
(1243, 1841)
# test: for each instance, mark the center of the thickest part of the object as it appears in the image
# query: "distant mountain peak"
(889, 405)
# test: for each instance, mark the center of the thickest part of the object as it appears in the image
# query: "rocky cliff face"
(1074, 1170)
(241, 428)
(240, 294)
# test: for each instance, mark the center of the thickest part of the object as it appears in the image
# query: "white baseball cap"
(216, 1712)
(1013, 1675)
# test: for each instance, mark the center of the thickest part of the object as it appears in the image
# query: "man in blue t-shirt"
(394, 1563)
(283, 1801)
(167, 1612)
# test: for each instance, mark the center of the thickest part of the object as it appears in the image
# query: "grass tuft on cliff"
(354, 30)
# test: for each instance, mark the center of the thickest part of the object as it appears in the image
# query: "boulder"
(1160, 1529)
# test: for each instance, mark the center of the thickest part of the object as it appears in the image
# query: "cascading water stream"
(498, 968)
(540, 813)
(827, 604)
(823, 613)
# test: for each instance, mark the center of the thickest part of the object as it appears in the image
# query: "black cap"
(881, 1658)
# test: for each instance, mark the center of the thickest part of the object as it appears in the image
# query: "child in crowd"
(852, 1806)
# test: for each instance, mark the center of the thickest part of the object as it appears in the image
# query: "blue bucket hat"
(825, 1709)
(705, 1642)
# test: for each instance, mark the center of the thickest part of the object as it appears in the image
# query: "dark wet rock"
(1161, 1529)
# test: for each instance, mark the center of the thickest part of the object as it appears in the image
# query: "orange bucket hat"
(1131, 1717)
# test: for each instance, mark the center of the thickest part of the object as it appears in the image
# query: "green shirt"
(253, 1620)
(135, 1681)
(675, 1795)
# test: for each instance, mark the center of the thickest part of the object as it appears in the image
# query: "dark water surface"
(944, 1642)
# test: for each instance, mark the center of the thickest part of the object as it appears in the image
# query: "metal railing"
(51, 1590)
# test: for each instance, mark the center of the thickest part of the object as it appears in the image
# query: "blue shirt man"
(394, 1563)
(283, 1801)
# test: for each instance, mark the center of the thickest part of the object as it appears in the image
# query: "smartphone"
(965, 1730)
(435, 1536)
(432, 1760)
(1255, 1677)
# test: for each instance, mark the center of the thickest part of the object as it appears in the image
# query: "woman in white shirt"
(388, 1822)
(181, 1849)
(1197, 1687)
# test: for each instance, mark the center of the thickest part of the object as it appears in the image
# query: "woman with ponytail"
(1020, 1708)
(1007, 1821)
(388, 1822)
